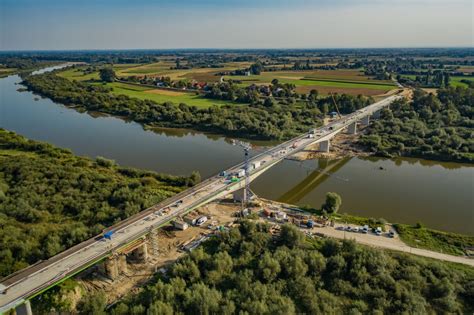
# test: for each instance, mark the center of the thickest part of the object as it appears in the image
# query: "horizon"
(236, 49)
(54, 25)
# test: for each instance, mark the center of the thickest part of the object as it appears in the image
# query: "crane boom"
(246, 146)
(337, 108)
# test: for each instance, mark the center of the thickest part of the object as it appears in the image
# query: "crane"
(247, 147)
(337, 108)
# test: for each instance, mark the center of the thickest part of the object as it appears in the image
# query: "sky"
(167, 24)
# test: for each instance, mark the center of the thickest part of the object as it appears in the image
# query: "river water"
(400, 190)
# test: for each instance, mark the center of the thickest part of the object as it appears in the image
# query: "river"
(400, 190)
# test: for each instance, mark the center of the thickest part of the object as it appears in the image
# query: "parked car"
(391, 234)
(378, 231)
(356, 229)
(365, 229)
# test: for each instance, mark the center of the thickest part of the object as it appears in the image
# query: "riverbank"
(342, 145)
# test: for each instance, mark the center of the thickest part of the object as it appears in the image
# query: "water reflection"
(326, 168)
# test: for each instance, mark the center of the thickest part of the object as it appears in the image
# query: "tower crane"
(337, 108)
(247, 147)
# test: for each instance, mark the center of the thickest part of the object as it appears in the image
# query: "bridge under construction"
(129, 235)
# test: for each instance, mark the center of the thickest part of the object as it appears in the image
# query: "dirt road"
(389, 243)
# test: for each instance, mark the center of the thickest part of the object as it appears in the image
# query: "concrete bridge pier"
(324, 146)
(111, 268)
(24, 309)
(377, 114)
(122, 264)
(366, 120)
(352, 128)
(141, 253)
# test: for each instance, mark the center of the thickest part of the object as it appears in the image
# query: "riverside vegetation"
(247, 271)
(438, 127)
(51, 200)
(264, 118)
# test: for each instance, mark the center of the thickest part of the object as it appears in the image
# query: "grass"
(143, 93)
(78, 75)
(325, 81)
(456, 81)
(5, 72)
(444, 242)
(163, 68)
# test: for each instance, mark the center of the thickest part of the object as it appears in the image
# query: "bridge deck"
(31, 281)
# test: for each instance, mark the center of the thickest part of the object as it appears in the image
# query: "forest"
(437, 127)
(247, 271)
(51, 199)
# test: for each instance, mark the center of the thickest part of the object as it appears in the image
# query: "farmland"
(456, 81)
(453, 81)
(351, 82)
(162, 96)
(144, 92)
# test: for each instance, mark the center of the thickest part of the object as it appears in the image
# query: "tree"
(291, 236)
(332, 203)
(256, 68)
(93, 304)
(107, 74)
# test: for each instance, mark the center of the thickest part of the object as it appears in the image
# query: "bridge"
(130, 234)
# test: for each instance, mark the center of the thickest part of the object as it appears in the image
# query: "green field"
(325, 81)
(143, 93)
(352, 82)
(456, 81)
(78, 75)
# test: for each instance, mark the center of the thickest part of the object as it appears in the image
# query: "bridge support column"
(352, 129)
(366, 120)
(324, 146)
(141, 253)
(24, 309)
(122, 264)
(376, 114)
(111, 268)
